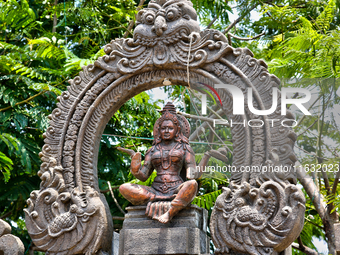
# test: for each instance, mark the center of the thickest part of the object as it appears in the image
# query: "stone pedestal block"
(115, 244)
(185, 234)
(337, 238)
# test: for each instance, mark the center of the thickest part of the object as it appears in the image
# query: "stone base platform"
(185, 234)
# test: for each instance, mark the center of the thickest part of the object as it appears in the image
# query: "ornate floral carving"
(258, 220)
(165, 35)
(63, 222)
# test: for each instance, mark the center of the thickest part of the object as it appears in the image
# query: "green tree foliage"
(308, 51)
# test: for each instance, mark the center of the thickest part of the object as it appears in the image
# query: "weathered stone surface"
(185, 234)
(266, 219)
(59, 220)
(337, 237)
(5, 228)
(115, 244)
(9, 244)
(191, 217)
(162, 241)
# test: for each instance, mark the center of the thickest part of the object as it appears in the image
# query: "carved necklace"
(169, 157)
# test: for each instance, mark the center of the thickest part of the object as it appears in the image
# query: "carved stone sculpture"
(170, 155)
(185, 234)
(258, 219)
(9, 244)
(69, 216)
(67, 221)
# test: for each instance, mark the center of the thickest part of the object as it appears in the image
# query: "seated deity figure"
(170, 156)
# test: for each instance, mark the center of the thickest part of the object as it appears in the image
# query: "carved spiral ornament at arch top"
(69, 216)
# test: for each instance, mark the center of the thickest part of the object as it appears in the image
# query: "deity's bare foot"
(165, 218)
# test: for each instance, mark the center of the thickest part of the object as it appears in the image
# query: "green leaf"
(21, 120)
(44, 86)
(5, 166)
(10, 141)
(208, 200)
(324, 20)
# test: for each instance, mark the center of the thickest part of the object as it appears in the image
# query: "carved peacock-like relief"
(65, 221)
(258, 220)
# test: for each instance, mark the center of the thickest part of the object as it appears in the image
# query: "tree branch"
(323, 112)
(108, 190)
(316, 24)
(319, 204)
(30, 98)
(132, 22)
(303, 248)
(239, 19)
(308, 127)
(211, 23)
(201, 128)
(336, 181)
(211, 129)
(230, 42)
(114, 199)
(311, 222)
(326, 181)
(54, 29)
(281, 6)
(311, 189)
(25, 101)
(319, 145)
(311, 154)
(6, 215)
(245, 38)
(303, 117)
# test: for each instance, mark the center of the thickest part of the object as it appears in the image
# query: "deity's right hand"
(136, 162)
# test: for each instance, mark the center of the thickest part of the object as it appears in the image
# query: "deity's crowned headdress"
(169, 113)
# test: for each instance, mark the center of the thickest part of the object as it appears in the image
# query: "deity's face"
(168, 130)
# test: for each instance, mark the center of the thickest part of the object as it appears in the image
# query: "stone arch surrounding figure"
(257, 214)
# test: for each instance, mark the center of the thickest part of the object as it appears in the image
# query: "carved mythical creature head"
(169, 113)
(166, 17)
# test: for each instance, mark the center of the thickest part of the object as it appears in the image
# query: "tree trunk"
(319, 204)
(330, 234)
(55, 20)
